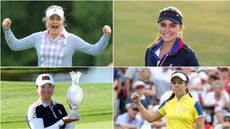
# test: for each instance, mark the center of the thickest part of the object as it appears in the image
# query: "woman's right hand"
(135, 97)
(6, 23)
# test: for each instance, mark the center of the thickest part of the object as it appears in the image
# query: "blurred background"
(83, 18)
(206, 23)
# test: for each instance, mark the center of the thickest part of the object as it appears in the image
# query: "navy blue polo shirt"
(180, 55)
(49, 115)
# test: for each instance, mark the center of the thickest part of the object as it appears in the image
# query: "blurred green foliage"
(83, 18)
(26, 74)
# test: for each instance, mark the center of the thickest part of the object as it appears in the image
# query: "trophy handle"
(75, 77)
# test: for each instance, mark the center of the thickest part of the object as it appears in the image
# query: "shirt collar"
(177, 45)
(63, 32)
(183, 97)
(45, 104)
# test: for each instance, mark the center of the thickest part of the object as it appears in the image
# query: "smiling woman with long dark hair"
(180, 109)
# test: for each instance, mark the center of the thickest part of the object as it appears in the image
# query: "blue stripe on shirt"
(198, 108)
(162, 104)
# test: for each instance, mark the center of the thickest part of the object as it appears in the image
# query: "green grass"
(206, 30)
(96, 109)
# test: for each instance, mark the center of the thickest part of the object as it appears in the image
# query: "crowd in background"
(209, 85)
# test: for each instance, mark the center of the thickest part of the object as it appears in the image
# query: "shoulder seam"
(187, 48)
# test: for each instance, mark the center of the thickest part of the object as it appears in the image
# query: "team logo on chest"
(184, 109)
(60, 112)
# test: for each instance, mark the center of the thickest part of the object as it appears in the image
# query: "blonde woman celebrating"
(55, 46)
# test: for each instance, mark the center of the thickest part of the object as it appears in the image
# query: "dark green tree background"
(83, 18)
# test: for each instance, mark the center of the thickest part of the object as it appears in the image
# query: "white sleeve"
(70, 125)
(38, 124)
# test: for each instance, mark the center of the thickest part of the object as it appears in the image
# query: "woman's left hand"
(107, 30)
(68, 119)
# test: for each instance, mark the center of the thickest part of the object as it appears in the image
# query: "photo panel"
(136, 31)
(78, 38)
(180, 93)
(22, 87)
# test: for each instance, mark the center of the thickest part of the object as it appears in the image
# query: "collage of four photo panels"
(76, 64)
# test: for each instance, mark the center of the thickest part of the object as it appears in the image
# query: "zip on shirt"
(177, 107)
(161, 62)
(178, 104)
(51, 108)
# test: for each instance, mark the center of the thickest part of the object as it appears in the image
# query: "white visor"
(53, 11)
(180, 75)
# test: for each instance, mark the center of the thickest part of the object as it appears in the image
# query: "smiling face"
(168, 30)
(45, 91)
(55, 24)
(178, 86)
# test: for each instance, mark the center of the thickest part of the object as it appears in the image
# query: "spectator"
(219, 118)
(145, 100)
(117, 89)
(212, 78)
(195, 84)
(225, 124)
(204, 84)
(146, 77)
(161, 87)
(215, 100)
(162, 74)
(225, 77)
(130, 119)
(131, 76)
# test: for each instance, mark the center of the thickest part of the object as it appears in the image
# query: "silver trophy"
(74, 95)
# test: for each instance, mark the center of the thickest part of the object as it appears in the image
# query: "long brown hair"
(173, 95)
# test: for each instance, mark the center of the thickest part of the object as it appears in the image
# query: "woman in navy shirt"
(45, 113)
(169, 49)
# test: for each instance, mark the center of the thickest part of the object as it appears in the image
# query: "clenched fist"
(135, 97)
(107, 30)
(6, 23)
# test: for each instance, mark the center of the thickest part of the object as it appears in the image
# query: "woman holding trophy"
(45, 113)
